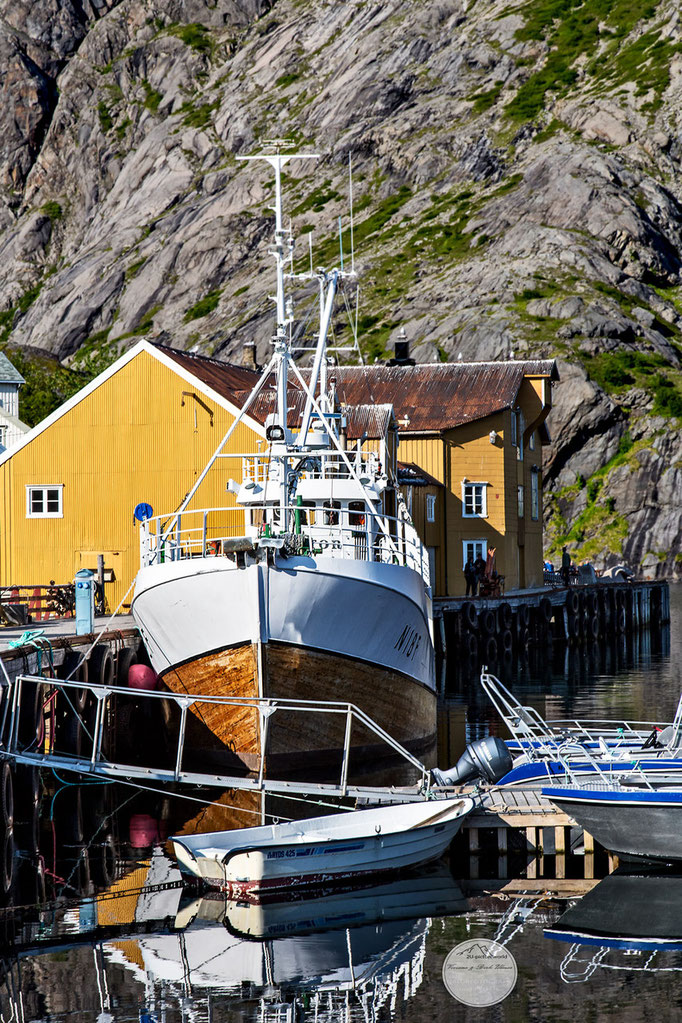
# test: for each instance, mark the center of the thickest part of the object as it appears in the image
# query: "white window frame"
(534, 496)
(521, 500)
(483, 514)
(513, 433)
(44, 487)
(430, 507)
(477, 547)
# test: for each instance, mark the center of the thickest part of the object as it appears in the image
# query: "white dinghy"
(322, 850)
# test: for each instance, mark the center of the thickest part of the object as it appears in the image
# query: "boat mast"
(281, 252)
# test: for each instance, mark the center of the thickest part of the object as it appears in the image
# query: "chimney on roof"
(249, 356)
(402, 351)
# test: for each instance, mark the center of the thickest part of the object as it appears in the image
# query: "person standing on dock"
(479, 569)
(470, 577)
(565, 566)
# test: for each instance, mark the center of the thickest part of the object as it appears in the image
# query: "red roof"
(428, 397)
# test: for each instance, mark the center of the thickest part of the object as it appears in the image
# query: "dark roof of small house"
(413, 475)
(227, 380)
(428, 397)
(8, 374)
(439, 396)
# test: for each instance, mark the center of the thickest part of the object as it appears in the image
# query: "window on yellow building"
(518, 425)
(430, 507)
(534, 496)
(474, 549)
(474, 500)
(45, 502)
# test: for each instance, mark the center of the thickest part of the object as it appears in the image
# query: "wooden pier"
(491, 630)
(528, 813)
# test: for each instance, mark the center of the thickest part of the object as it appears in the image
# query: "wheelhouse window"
(356, 514)
(430, 507)
(307, 513)
(45, 502)
(474, 500)
(330, 513)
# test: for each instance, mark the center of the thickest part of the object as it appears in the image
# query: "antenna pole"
(340, 245)
(350, 197)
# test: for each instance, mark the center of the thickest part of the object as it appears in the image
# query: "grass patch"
(29, 297)
(667, 397)
(198, 117)
(152, 97)
(287, 79)
(485, 100)
(614, 371)
(575, 29)
(317, 199)
(53, 210)
(134, 269)
(194, 35)
(105, 119)
(203, 307)
(122, 128)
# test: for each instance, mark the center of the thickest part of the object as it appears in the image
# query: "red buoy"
(141, 676)
(144, 831)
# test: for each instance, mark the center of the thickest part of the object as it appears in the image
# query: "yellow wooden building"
(476, 431)
(143, 430)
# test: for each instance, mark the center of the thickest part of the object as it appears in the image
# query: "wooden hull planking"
(230, 734)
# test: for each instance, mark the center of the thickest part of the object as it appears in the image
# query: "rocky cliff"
(517, 188)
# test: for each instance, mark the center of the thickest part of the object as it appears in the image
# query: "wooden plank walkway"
(527, 811)
(516, 808)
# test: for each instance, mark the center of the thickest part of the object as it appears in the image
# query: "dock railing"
(39, 750)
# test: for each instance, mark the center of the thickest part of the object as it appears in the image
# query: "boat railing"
(537, 736)
(41, 747)
(330, 532)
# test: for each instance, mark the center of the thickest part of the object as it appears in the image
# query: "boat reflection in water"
(629, 921)
(144, 942)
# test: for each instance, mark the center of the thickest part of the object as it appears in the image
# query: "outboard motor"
(488, 759)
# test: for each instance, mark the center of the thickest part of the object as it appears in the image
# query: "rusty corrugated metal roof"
(439, 396)
(428, 397)
(223, 377)
(374, 421)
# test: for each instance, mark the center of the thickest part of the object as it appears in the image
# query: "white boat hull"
(323, 851)
(359, 609)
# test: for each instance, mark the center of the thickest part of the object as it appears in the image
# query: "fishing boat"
(322, 850)
(313, 586)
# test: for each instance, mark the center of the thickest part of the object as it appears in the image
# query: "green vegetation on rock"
(204, 306)
(48, 384)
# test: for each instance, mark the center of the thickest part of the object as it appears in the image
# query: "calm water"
(97, 925)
